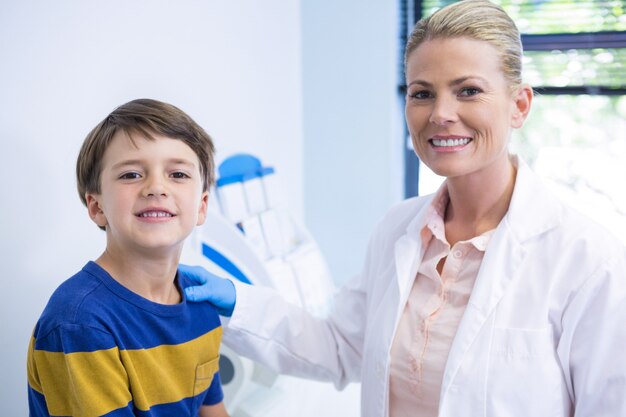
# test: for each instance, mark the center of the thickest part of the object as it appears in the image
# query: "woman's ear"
(95, 210)
(522, 99)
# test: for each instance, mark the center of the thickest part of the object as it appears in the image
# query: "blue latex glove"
(218, 291)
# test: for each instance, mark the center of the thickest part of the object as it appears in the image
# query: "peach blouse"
(431, 316)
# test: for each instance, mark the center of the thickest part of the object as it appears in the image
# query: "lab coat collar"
(525, 218)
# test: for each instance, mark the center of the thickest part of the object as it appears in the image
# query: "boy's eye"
(469, 91)
(180, 175)
(130, 176)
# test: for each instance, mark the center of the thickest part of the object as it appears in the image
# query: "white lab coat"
(543, 335)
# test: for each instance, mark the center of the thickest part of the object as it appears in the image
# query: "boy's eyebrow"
(125, 163)
(130, 162)
(181, 161)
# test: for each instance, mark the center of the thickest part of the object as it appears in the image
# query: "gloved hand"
(218, 291)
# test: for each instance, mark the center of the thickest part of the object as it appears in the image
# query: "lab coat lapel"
(497, 271)
(408, 252)
(501, 263)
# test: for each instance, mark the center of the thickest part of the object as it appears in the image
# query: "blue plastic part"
(239, 164)
(224, 263)
(240, 168)
(266, 171)
(222, 181)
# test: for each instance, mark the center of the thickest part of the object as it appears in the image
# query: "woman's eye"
(130, 176)
(469, 91)
(180, 175)
(421, 95)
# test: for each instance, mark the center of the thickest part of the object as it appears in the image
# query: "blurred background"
(313, 88)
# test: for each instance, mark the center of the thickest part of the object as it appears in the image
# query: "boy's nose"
(154, 187)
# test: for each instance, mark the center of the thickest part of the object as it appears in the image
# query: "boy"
(118, 338)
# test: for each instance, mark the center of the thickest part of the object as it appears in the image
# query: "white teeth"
(450, 142)
(155, 214)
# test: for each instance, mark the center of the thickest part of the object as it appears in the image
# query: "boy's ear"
(202, 209)
(94, 209)
(523, 98)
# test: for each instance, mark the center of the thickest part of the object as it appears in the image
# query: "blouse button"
(458, 253)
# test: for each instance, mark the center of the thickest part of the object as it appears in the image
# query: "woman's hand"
(218, 291)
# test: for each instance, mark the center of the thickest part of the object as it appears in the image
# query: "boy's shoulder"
(91, 301)
(74, 302)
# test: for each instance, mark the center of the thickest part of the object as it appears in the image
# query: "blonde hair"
(475, 19)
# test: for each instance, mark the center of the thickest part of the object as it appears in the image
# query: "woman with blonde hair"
(488, 298)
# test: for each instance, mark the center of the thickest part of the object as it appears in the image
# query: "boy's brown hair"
(145, 117)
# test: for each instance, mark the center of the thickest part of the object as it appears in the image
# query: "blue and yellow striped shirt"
(99, 349)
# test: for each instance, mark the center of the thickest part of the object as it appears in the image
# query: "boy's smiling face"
(151, 194)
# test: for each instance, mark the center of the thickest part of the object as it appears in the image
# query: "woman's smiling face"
(460, 107)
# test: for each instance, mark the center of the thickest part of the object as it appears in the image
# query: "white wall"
(234, 66)
(353, 167)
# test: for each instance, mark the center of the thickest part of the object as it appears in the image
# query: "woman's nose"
(444, 111)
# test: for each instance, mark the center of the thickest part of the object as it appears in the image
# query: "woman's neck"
(479, 201)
